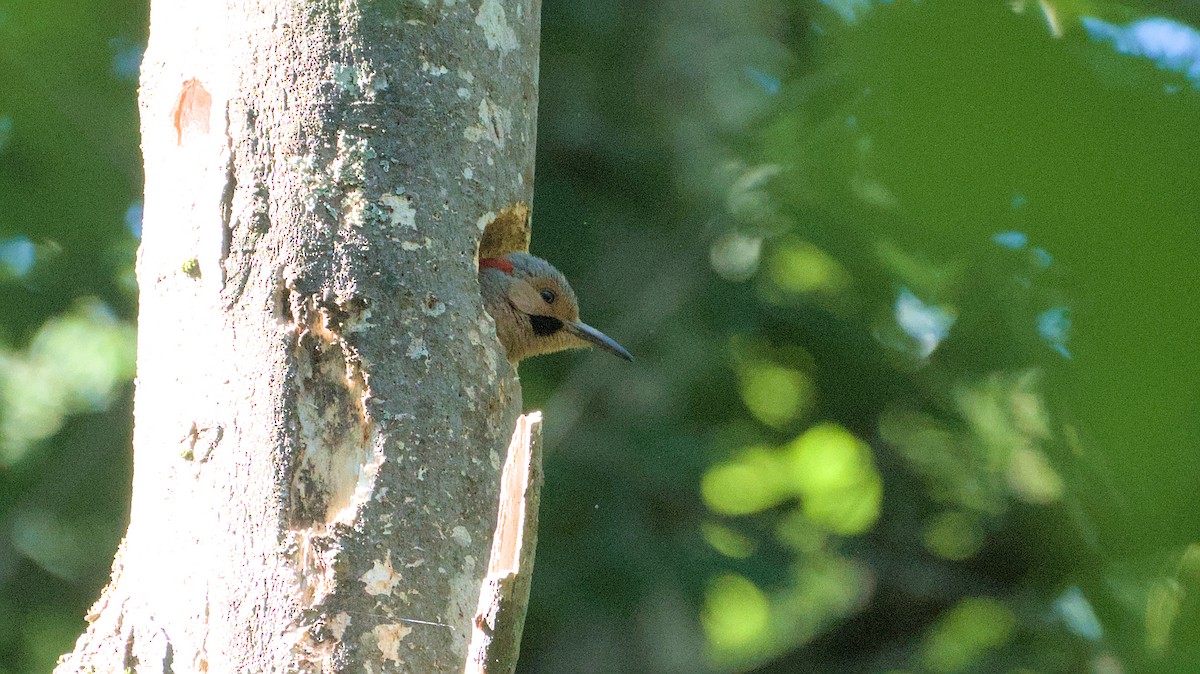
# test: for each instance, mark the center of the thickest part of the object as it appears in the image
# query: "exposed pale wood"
(500, 619)
(506, 232)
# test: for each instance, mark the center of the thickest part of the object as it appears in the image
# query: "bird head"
(535, 309)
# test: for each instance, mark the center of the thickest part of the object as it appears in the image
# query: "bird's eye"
(548, 296)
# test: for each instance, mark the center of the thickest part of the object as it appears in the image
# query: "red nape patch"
(497, 263)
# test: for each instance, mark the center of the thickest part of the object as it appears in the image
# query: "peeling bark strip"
(504, 598)
(322, 405)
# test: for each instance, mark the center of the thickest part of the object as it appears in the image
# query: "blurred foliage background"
(913, 291)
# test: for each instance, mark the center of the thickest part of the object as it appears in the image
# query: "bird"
(535, 309)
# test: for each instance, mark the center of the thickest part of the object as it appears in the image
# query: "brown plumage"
(535, 309)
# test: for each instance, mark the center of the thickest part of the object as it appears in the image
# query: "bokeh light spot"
(965, 633)
(1032, 478)
(799, 533)
(6, 125)
(51, 544)
(133, 219)
(799, 267)
(749, 484)
(926, 324)
(1054, 326)
(1171, 45)
(736, 616)
(1012, 240)
(727, 541)
(1163, 603)
(775, 395)
(835, 476)
(17, 256)
(735, 256)
(954, 535)
(74, 364)
(849, 10)
(1077, 613)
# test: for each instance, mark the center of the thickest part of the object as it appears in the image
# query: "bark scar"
(231, 184)
(192, 111)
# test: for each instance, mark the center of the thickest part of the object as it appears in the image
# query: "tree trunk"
(322, 406)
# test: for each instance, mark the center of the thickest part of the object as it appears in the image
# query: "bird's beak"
(590, 334)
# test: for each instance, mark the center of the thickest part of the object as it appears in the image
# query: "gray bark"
(322, 407)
